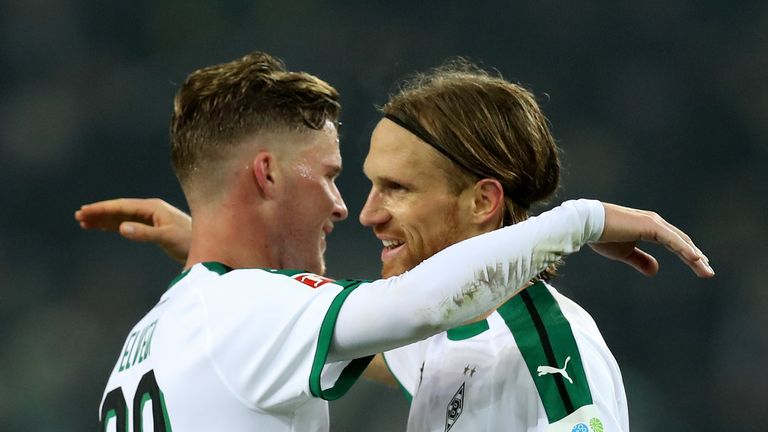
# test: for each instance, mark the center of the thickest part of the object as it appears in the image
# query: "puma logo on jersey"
(544, 370)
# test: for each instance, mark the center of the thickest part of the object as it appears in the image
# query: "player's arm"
(153, 220)
(473, 276)
(143, 220)
(623, 227)
(378, 371)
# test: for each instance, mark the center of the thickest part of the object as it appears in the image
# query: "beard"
(414, 255)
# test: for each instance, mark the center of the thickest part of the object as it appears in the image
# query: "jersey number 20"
(115, 406)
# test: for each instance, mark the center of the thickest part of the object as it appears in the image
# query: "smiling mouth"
(391, 249)
(391, 244)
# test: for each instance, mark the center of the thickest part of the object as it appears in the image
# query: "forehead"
(321, 145)
(395, 151)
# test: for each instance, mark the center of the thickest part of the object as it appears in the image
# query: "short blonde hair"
(218, 106)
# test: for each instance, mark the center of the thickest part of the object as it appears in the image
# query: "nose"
(340, 211)
(373, 213)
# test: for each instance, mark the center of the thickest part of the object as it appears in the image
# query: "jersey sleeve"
(265, 332)
(575, 375)
(406, 365)
(460, 282)
(330, 381)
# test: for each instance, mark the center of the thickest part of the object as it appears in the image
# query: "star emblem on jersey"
(455, 408)
(470, 370)
(545, 370)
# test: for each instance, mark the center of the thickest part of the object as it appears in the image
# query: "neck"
(230, 235)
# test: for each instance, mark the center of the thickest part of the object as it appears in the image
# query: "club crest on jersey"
(455, 408)
(312, 280)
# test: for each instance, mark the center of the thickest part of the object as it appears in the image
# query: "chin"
(393, 269)
(314, 265)
(318, 268)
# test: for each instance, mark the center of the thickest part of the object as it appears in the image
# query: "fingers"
(139, 232)
(700, 266)
(642, 262)
(681, 244)
(685, 238)
(96, 218)
(174, 241)
(627, 225)
(109, 214)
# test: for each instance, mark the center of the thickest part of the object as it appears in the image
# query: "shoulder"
(297, 279)
(576, 314)
(213, 273)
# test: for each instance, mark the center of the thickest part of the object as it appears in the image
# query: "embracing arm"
(153, 220)
(478, 274)
(475, 275)
(147, 220)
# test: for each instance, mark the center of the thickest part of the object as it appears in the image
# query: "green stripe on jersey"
(354, 369)
(546, 341)
(467, 330)
(405, 391)
(178, 278)
(217, 267)
(213, 266)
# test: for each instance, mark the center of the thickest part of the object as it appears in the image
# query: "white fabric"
(461, 281)
(234, 351)
(499, 392)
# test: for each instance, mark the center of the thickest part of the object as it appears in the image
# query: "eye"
(394, 186)
(333, 174)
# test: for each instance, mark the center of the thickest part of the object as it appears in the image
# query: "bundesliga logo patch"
(312, 280)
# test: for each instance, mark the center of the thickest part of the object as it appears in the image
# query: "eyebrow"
(389, 180)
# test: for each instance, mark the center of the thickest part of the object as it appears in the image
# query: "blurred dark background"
(656, 104)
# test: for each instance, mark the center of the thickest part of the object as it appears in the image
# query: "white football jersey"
(538, 363)
(234, 350)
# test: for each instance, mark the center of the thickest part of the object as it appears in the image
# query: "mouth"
(391, 249)
(325, 232)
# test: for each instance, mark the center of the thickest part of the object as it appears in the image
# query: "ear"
(488, 202)
(265, 172)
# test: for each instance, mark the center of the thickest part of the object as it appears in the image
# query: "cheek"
(313, 199)
(434, 231)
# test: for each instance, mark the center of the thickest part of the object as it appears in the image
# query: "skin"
(275, 206)
(264, 188)
(411, 206)
(414, 211)
(308, 203)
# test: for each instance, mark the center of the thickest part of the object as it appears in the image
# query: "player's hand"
(625, 227)
(143, 220)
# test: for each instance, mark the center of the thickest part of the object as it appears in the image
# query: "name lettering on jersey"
(137, 346)
(543, 370)
(312, 280)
